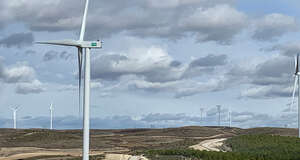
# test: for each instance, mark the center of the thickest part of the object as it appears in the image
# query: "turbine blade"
(80, 50)
(294, 91)
(82, 32)
(297, 64)
(62, 43)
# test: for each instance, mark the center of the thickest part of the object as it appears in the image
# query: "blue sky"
(159, 59)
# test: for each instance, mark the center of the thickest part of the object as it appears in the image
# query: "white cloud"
(34, 87)
(220, 23)
(152, 63)
(19, 73)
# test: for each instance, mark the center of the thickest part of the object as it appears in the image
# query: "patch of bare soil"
(210, 145)
(123, 157)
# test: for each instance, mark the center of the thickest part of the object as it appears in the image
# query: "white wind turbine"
(15, 116)
(294, 90)
(201, 115)
(87, 45)
(51, 116)
(229, 117)
(219, 112)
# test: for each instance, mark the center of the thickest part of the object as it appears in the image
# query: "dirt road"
(123, 157)
(209, 145)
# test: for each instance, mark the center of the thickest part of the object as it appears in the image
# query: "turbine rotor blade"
(66, 42)
(297, 64)
(82, 32)
(294, 91)
(80, 50)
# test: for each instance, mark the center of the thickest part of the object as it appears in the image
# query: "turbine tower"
(15, 116)
(219, 112)
(201, 115)
(294, 90)
(86, 46)
(51, 116)
(229, 117)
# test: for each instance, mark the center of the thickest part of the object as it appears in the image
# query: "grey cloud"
(103, 67)
(274, 71)
(210, 60)
(177, 19)
(273, 26)
(289, 49)
(204, 65)
(271, 78)
(156, 66)
(180, 89)
(183, 3)
(196, 88)
(175, 64)
(30, 52)
(52, 55)
(170, 25)
(156, 71)
(17, 40)
(138, 18)
(154, 87)
(264, 92)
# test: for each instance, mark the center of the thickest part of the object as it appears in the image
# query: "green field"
(245, 147)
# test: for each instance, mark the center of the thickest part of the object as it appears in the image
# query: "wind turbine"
(219, 111)
(201, 114)
(82, 57)
(229, 117)
(294, 90)
(15, 116)
(51, 116)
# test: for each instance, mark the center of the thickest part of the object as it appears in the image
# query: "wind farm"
(199, 80)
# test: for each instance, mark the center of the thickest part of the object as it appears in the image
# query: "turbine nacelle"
(79, 44)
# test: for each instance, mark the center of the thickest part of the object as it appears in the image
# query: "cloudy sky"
(161, 61)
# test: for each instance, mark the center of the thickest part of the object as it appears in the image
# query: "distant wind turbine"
(294, 90)
(15, 116)
(201, 115)
(86, 45)
(229, 117)
(51, 116)
(219, 111)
